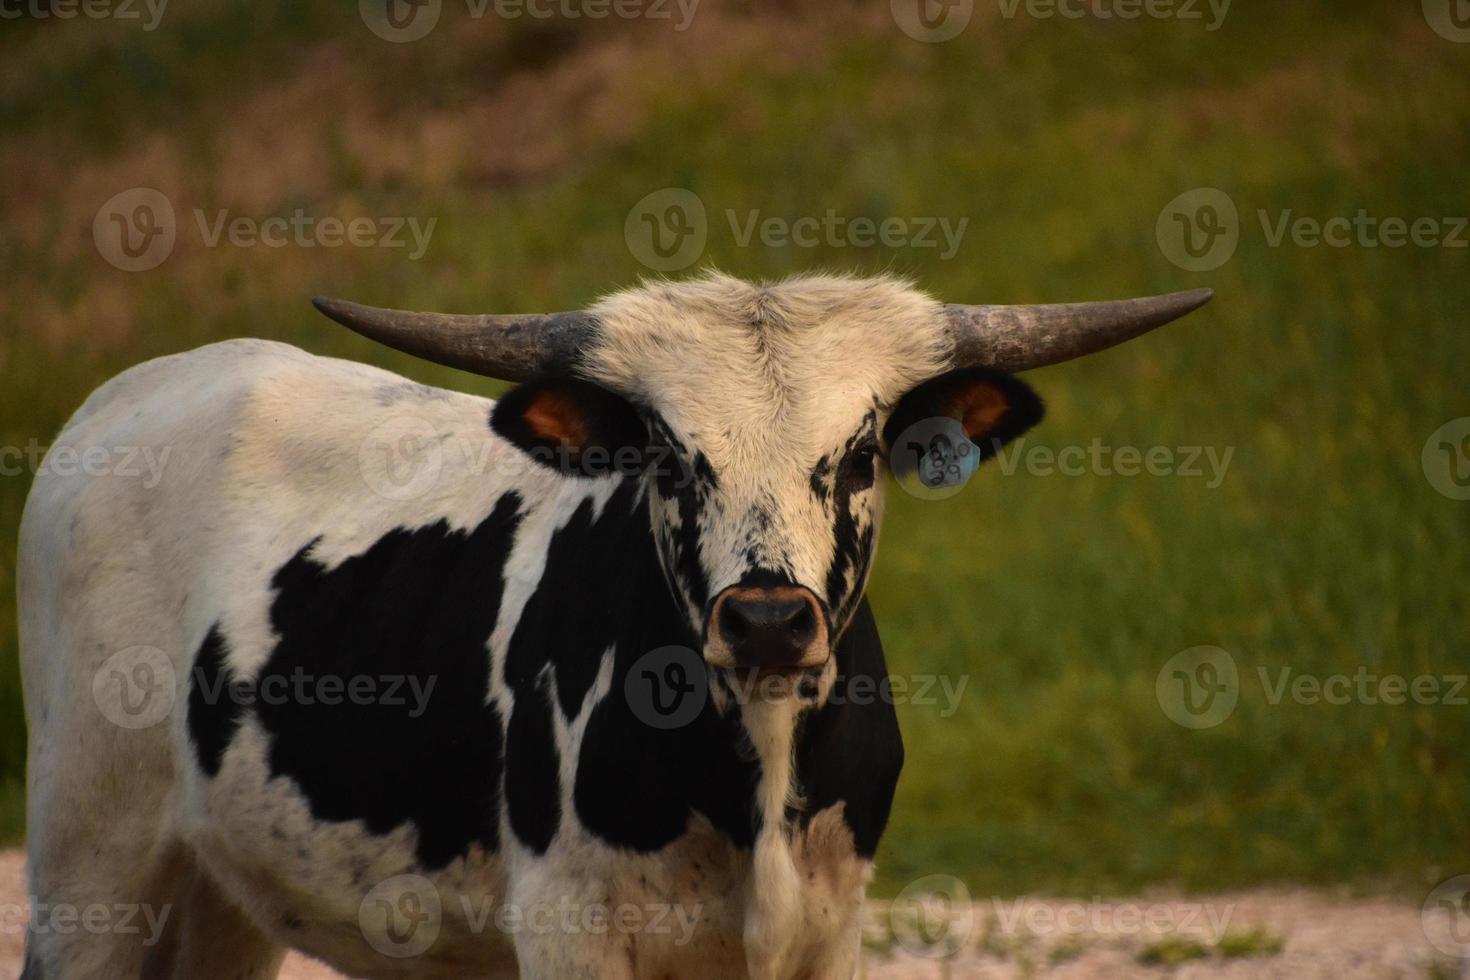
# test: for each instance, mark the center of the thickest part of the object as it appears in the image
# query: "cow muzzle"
(769, 629)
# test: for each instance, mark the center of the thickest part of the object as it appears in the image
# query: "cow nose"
(773, 627)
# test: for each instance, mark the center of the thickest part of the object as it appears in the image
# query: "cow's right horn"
(1016, 338)
(512, 347)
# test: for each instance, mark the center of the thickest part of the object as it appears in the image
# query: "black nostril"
(804, 623)
(768, 629)
(734, 625)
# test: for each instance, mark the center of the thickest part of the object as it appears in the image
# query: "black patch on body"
(214, 715)
(851, 752)
(418, 603)
(568, 623)
(637, 785)
(574, 616)
(532, 779)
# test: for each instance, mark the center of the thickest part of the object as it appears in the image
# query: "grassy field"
(1057, 599)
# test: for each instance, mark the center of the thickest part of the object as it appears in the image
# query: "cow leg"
(99, 770)
(581, 956)
(211, 937)
(553, 941)
(839, 960)
(99, 901)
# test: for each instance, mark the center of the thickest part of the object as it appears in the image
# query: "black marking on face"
(689, 481)
(860, 576)
(821, 474)
(418, 604)
(850, 750)
(853, 549)
(758, 550)
(214, 715)
(532, 767)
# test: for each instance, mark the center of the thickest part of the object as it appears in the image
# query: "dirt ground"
(1272, 934)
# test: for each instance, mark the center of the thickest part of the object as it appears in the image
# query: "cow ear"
(573, 426)
(992, 407)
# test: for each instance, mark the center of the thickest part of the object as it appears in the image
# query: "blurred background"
(1005, 151)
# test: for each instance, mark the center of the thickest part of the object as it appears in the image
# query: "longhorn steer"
(426, 685)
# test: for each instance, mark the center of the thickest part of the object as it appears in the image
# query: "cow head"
(762, 417)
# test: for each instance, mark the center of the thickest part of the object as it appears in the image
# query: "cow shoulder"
(355, 530)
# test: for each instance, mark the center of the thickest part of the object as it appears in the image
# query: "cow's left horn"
(1015, 338)
(512, 347)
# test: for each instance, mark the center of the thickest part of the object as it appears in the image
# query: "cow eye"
(859, 462)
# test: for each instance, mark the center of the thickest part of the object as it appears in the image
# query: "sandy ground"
(1274, 934)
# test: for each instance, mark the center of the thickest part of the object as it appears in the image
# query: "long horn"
(511, 347)
(1015, 338)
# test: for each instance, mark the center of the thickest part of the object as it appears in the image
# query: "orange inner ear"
(979, 408)
(556, 417)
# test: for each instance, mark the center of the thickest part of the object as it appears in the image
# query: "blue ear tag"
(934, 458)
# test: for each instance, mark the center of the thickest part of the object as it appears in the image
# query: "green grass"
(1251, 942)
(1057, 599)
(1067, 950)
(1172, 951)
